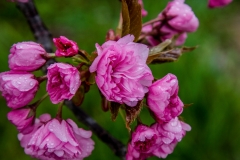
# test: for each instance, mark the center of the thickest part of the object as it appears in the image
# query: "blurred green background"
(209, 77)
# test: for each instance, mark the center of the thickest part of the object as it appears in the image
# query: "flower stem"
(38, 102)
(152, 21)
(51, 55)
(42, 78)
(59, 112)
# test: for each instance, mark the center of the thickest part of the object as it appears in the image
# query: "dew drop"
(19, 83)
(31, 83)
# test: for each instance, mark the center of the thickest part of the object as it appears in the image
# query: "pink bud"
(121, 71)
(176, 19)
(18, 88)
(218, 3)
(26, 56)
(57, 139)
(63, 82)
(180, 16)
(163, 99)
(21, 118)
(144, 12)
(144, 141)
(65, 47)
(170, 134)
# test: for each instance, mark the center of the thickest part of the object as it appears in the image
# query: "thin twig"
(44, 37)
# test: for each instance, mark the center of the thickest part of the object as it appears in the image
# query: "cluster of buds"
(160, 138)
(44, 137)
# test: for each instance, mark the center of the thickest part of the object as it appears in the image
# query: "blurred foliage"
(209, 77)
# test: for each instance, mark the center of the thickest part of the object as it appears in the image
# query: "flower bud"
(18, 88)
(26, 56)
(65, 47)
(163, 99)
(63, 82)
(218, 3)
(21, 118)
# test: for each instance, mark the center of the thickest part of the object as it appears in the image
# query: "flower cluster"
(161, 137)
(44, 138)
(121, 72)
(177, 19)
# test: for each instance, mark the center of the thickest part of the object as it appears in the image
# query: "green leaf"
(125, 18)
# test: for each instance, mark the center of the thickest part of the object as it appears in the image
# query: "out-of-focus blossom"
(122, 73)
(26, 56)
(65, 47)
(63, 82)
(176, 19)
(18, 88)
(170, 134)
(144, 141)
(218, 3)
(163, 99)
(144, 12)
(23, 1)
(54, 139)
(21, 118)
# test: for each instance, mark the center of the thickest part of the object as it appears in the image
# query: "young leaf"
(114, 108)
(134, 9)
(79, 96)
(125, 19)
(132, 113)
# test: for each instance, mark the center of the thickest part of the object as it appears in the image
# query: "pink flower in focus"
(63, 82)
(144, 141)
(170, 134)
(65, 47)
(144, 12)
(22, 118)
(26, 56)
(176, 19)
(122, 73)
(57, 139)
(18, 88)
(163, 99)
(218, 3)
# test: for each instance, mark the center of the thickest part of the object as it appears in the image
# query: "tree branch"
(44, 37)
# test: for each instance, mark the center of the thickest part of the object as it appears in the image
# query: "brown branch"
(44, 37)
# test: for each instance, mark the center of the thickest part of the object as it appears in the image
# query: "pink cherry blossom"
(163, 99)
(218, 3)
(144, 141)
(122, 73)
(63, 82)
(170, 134)
(57, 139)
(26, 56)
(65, 47)
(176, 19)
(22, 118)
(18, 88)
